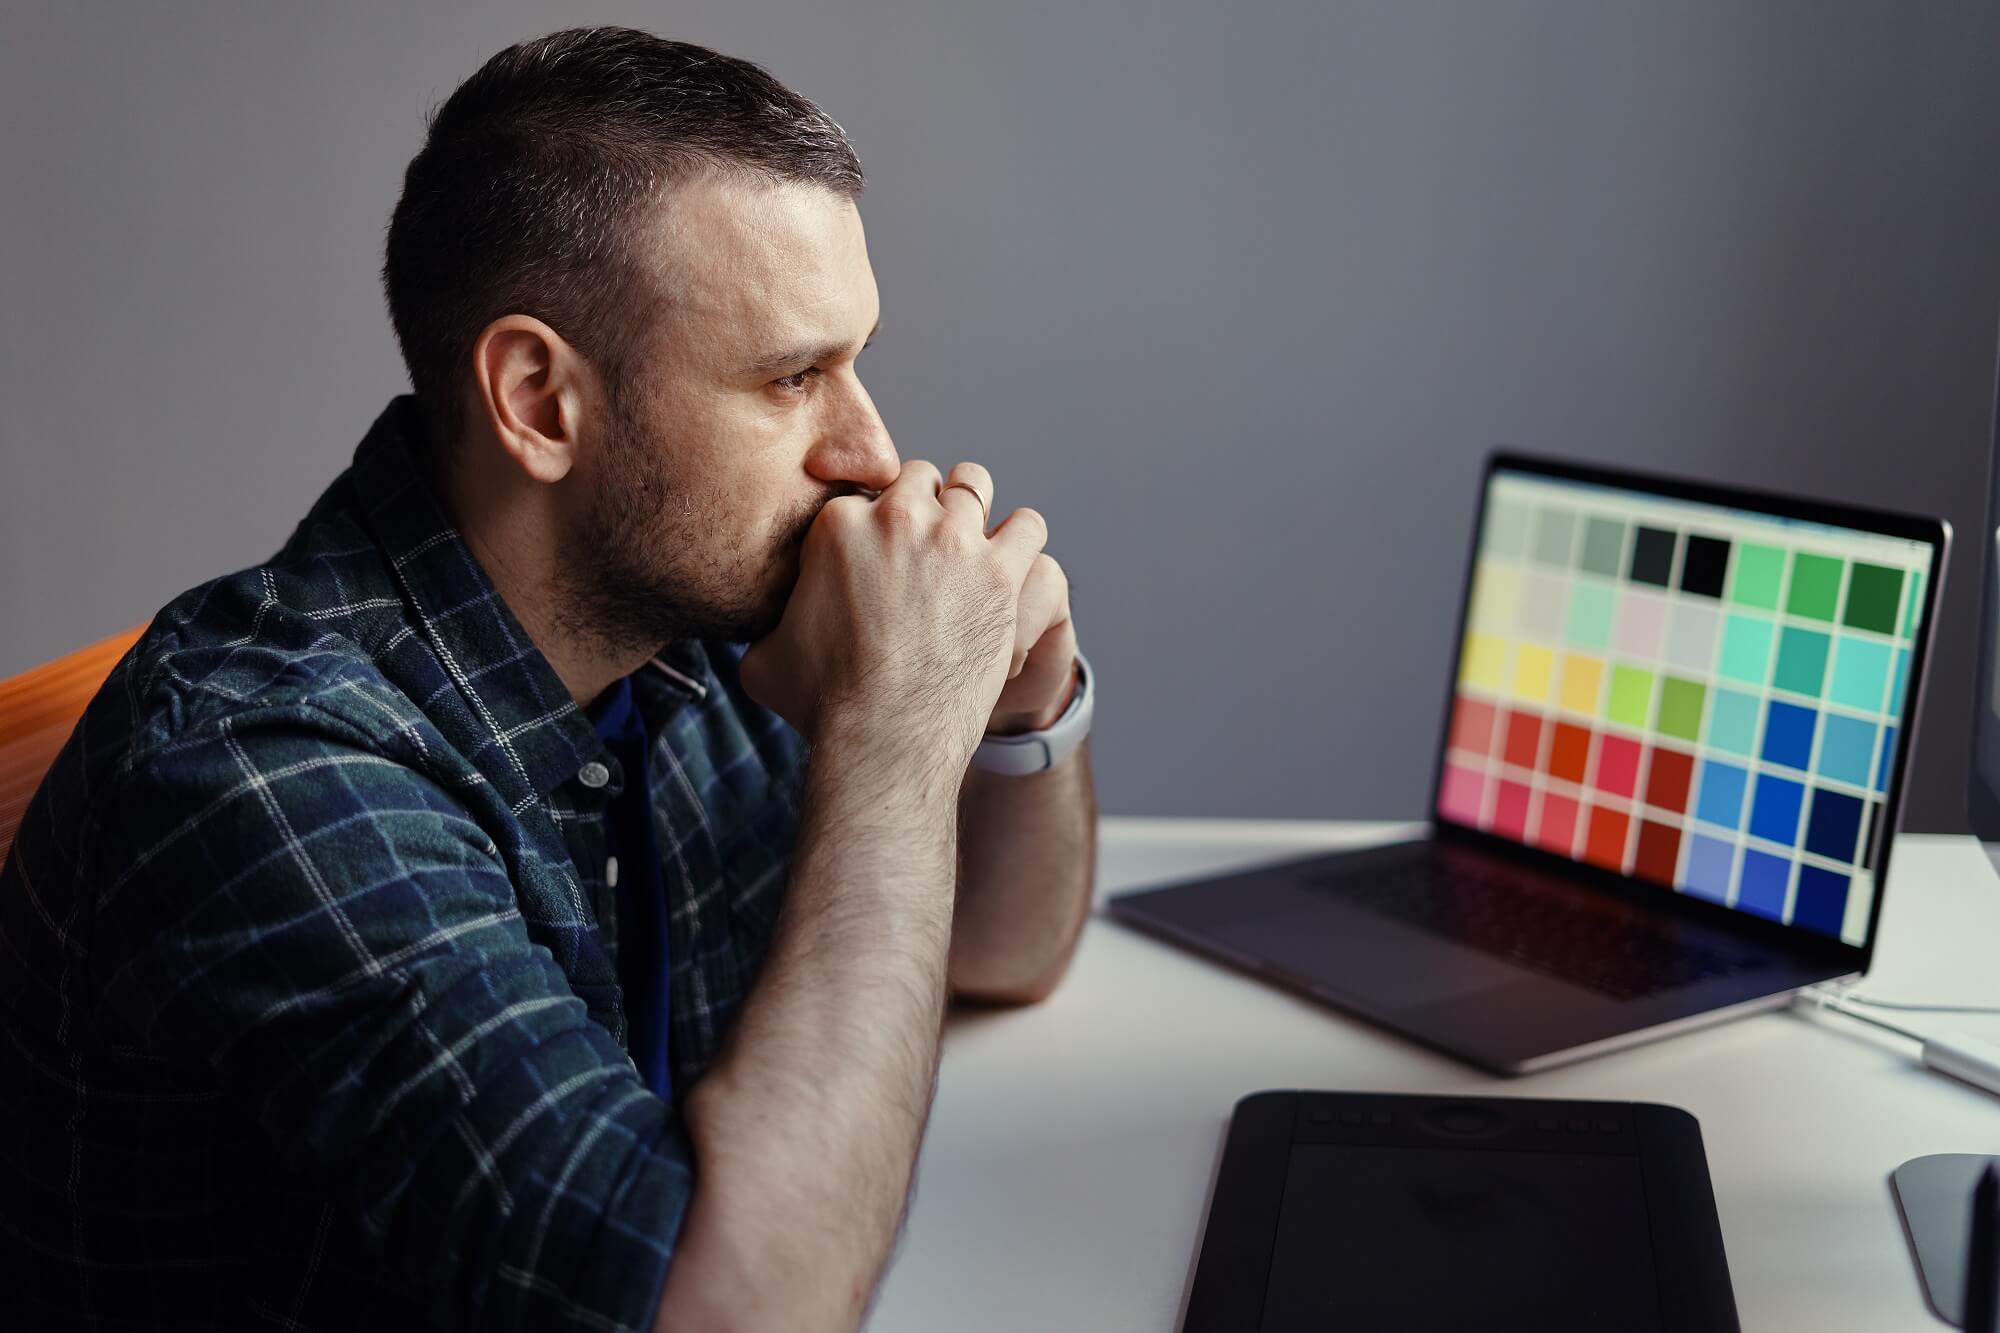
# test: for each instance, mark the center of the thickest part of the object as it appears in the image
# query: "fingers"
(975, 504)
(1044, 606)
(919, 479)
(1018, 540)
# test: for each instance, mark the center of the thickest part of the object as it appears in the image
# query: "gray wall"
(1238, 294)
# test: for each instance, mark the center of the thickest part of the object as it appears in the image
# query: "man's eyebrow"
(804, 354)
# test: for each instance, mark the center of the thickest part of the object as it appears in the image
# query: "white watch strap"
(1033, 751)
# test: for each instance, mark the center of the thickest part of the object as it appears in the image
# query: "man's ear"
(529, 384)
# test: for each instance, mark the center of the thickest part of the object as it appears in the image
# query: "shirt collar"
(527, 724)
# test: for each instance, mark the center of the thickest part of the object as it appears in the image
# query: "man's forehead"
(757, 258)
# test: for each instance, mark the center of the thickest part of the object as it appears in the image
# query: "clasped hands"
(908, 607)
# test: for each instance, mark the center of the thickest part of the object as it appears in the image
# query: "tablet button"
(1380, 1117)
(1461, 1120)
(1350, 1117)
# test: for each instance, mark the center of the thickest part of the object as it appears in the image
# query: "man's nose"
(857, 448)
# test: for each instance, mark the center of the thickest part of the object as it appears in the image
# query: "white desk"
(1067, 1169)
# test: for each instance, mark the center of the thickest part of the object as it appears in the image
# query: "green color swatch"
(1631, 693)
(1801, 660)
(1873, 594)
(1680, 708)
(1860, 670)
(1815, 590)
(1916, 601)
(1554, 536)
(1590, 606)
(1758, 572)
(1603, 545)
(1507, 529)
(1746, 649)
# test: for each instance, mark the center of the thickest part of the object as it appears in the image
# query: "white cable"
(1968, 1059)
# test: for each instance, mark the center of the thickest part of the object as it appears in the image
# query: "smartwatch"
(1034, 751)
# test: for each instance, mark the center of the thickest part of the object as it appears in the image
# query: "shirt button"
(593, 774)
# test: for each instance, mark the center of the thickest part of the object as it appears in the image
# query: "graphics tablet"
(1374, 1212)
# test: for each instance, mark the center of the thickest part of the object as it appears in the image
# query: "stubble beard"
(648, 562)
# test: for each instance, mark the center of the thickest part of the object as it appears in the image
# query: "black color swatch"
(1703, 569)
(1653, 557)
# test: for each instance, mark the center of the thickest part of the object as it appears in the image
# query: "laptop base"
(1287, 923)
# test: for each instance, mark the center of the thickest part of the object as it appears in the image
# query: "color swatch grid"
(1702, 697)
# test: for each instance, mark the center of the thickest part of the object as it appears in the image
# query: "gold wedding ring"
(984, 516)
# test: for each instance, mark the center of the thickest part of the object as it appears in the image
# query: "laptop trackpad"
(1372, 962)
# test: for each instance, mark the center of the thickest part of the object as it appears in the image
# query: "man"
(448, 923)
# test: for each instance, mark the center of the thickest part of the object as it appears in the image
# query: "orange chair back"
(38, 710)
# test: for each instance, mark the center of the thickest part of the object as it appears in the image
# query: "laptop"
(1674, 750)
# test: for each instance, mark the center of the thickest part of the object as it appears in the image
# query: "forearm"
(1028, 856)
(806, 1130)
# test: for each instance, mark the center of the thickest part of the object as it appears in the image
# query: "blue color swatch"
(1720, 800)
(1774, 811)
(1846, 749)
(1822, 900)
(1708, 867)
(1833, 825)
(1763, 887)
(1788, 734)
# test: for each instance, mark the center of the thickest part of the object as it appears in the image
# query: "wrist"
(889, 765)
(1049, 745)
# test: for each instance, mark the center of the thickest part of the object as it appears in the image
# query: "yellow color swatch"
(1533, 669)
(1496, 597)
(1582, 677)
(1483, 662)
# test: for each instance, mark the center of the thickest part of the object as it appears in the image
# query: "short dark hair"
(533, 175)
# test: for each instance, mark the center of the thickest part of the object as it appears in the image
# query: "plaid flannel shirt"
(309, 997)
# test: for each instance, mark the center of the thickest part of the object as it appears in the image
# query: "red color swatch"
(1617, 765)
(1557, 830)
(1524, 737)
(1659, 847)
(1510, 811)
(1667, 780)
(1472, 726)
(1605, 843)
(1569, 752)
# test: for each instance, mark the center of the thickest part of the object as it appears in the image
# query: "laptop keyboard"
(1605, 947)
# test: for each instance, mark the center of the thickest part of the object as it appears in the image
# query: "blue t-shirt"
(642, 911)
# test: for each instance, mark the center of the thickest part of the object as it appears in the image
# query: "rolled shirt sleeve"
(327, 930)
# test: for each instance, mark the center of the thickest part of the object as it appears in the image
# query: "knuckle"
(959, 539)
(897, 513)
(994, 580)
(1033, 523)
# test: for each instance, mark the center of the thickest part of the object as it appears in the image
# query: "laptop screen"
(1704, 697)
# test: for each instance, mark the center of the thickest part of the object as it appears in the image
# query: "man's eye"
(797, 383)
